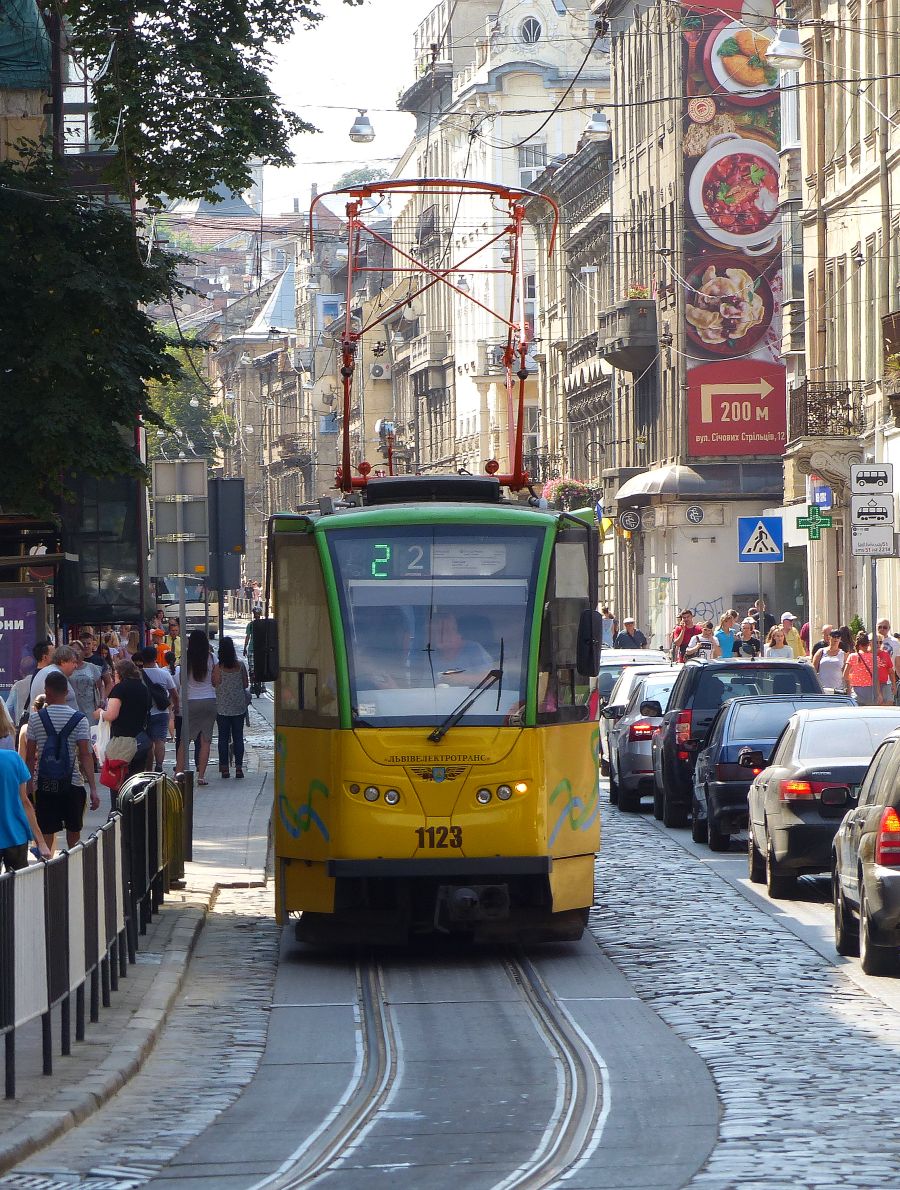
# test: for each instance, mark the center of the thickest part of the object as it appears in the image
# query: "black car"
(719, 807)
(699, 691)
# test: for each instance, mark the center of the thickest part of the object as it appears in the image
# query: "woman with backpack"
(231, 706)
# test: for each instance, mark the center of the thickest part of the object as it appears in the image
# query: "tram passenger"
(456, 660)
(383, 640)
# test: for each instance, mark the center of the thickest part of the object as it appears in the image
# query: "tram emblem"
(439, 772)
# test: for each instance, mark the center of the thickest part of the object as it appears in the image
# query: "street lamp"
(597, 127)
(786, 52)
(362, 132)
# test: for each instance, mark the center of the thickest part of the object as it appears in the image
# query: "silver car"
(614, 663)
(631, 735)
(865, 867)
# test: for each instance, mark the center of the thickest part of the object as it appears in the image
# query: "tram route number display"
(409, 559)
(439, 837)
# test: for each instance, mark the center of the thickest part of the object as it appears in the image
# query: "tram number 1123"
(439, 836)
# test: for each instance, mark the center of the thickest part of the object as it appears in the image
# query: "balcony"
(292, 450)
(627, 334)
(428, 350)
(825, 410)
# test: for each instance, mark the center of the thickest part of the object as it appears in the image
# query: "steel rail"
(362, 1100)
(580, 1101)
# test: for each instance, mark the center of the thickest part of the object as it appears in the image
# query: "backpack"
(54, 764)
(159, 695)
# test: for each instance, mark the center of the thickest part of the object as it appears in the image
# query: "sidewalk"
(231, 840)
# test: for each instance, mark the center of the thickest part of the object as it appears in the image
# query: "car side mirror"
(612, 712)
(751, 758)
(835, 795)
(590, 638)
(651, 708)
(264, 637)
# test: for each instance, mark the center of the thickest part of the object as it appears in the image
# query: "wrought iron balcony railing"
(825, 409)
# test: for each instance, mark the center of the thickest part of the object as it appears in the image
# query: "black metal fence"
(69, 927)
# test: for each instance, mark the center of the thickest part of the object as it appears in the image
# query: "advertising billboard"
(735, 375)
(23, 622)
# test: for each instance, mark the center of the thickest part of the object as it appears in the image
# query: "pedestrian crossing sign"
(760, 539)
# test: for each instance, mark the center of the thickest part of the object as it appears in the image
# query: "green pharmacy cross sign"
(814, 522)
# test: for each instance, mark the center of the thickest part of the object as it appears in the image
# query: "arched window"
(531, 31)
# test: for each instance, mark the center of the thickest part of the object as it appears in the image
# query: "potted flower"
(637, 291)
(565, 492)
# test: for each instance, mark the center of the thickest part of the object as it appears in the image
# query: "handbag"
(113, 773)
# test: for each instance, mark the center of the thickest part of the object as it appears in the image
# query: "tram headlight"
(354, 788)
(371, 793)
(521, 787)
(392, 797)
(483, 796)
(504, 793)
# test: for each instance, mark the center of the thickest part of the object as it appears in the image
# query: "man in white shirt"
(159, 719)
(64, 661)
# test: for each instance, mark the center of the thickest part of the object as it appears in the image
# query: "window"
(307, 685)
(562, 692)
(532, 161)
(531, 31)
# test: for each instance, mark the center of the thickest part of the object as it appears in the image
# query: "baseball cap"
(788, 616)
(747, 620)
(629, 620)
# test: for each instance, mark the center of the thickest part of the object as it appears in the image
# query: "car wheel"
(781, 883)
(846, 931)
(657, 802)
(604, 764)
(698, 825)
(613, 786)
(756, 865)
(673, 815)
(718, 840)
(629, 800)
(874, 959)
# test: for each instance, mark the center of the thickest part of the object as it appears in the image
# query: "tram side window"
(307, 686)
(562, 691)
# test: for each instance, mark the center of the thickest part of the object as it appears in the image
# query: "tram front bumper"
(461, 867)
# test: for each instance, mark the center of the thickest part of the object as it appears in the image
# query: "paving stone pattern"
(207, 1054)
(807, 1065)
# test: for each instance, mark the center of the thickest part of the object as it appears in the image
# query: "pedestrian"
(172, 638)
(887, 675)
(162, 704)
(725, 634)
(791, 635)
(231, 707)
(859, 672)
(173, 717)
(610, 627)
(127, 713)
(845, 636)
(58, 756)
(768, 620)
(85, 680)
(201, 686)
(829, 663)
(683, 633)
(776, 644)
(822, 642)
(63, 660)
(111, 640)
(19, 700)
(746, 643)
(630, 637)
(18, 821)
(704, 646)
(888, 642)
(248, 632)
(8, 730)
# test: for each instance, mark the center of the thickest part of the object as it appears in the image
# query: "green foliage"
(360, 176)
(186, 98)
(76, 349)
(856, 625)
(183, 426)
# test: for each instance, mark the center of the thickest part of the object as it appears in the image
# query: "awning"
(718, 481)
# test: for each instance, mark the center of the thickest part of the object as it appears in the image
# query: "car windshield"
(760, 721)
(658, 689)
(430, 610)
(716, 685)
(607, 678)
(852, 734)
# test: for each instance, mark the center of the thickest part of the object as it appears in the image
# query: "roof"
(230, 206)
(279, 308)
(24, 47)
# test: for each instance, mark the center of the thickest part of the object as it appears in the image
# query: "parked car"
(796, 804)
(619, 696)
(612, 663)
(721, 783)
(700, 690)
(630, 736)
(865, 867)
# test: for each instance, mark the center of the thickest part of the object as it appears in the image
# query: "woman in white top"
(829, 665)
(203, 677)
(776, 644)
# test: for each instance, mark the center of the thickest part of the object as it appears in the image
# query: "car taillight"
(641, 730)
(887, 845)
(683, 727)
(795, 791)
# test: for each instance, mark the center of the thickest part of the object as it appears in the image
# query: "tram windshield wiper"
(492, 676)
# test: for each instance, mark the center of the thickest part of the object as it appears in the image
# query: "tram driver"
(456, 661)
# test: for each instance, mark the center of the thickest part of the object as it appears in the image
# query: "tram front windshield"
(428, 611)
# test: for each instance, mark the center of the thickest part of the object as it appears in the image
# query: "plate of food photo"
(735, 61)
(733, 194)
(729, 305)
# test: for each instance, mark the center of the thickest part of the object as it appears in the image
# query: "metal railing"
(822, 409)
(69, 927)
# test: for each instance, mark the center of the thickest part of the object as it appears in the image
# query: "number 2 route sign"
(760, 539)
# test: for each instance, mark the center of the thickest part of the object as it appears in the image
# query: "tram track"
(568, 1136)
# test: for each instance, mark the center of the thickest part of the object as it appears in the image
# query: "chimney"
(296, 206)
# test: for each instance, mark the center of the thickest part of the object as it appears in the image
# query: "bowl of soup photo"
(733, 194)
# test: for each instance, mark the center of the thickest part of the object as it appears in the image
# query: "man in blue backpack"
(57, 737)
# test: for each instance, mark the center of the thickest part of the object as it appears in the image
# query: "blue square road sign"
(760, 539)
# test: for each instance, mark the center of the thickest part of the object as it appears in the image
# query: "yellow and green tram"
(436, 766)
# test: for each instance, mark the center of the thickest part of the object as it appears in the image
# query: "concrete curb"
(75, 1105)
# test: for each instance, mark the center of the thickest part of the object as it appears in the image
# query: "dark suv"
(699, 691)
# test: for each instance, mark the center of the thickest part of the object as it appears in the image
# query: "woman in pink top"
(859, 673)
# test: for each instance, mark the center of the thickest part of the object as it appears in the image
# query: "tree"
(360, 176)
(185, 97)
(187, 420)
(77, 350)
